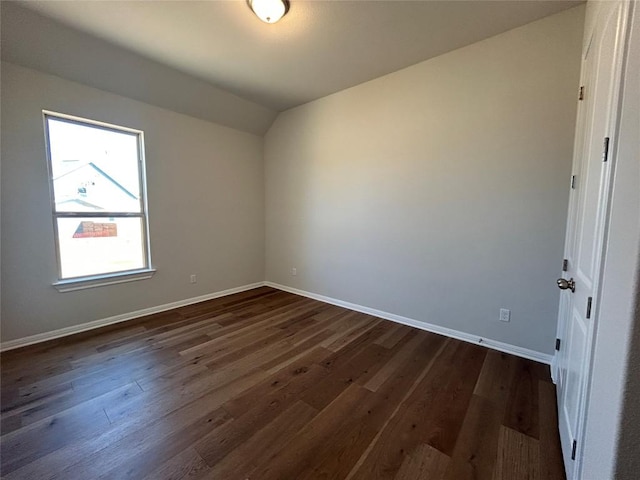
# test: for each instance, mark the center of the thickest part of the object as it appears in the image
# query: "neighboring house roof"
(101, 172)
(82, 203)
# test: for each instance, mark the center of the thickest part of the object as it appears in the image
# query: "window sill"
(102, 280)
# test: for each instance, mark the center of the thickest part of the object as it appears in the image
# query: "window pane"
(93, 246)
(93, 169)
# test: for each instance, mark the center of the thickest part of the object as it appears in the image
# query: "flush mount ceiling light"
(269, 11)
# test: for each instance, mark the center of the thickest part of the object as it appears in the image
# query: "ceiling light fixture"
(269, 11)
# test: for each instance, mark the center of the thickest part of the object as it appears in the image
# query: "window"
(98, 199)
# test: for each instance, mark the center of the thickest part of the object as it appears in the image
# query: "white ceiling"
(318, 48)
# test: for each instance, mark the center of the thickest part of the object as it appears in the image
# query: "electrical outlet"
(294, 271)
(505, 315)
(193, 278)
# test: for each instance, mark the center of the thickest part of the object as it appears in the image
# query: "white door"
(605, 30)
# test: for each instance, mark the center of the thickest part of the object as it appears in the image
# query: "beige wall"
(438, 192)
(206, 206)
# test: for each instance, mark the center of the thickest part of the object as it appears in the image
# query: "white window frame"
(91, 281)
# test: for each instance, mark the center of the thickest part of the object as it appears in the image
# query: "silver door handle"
(564, 284)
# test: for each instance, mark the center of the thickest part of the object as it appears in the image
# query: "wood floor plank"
(30, 399)
(368, 324)
(410, 376)
(119, 368)
(242, 461)
(254, 328)
(267, 385)
(300, 451)
(433, 414)
(338, 457)
(390, 367)
(147, 423)
(522, 411)
(220, 442)
(148, 451)
(248, 345)
(171, 377)
(69, 400)
(149, 403)
(186, 464)
(367, 360)
(296, 352)
(393, 336)
(10, 423)
(518, 456)
(551, 461)
(495, 378)
(423, 462)
(474, 456)
(29, 443)
(345, 354)
(291, 381)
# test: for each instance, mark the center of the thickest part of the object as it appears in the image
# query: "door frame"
(621, 48)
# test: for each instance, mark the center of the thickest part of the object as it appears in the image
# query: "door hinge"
(581, 94)
(557, 344)
(589, 300)
(565, 265)
(573, 182)
(605, 149)
(573, 450)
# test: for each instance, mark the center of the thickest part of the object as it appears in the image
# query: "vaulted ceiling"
(318, 48)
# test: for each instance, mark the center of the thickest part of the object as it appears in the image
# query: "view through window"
(98, 197)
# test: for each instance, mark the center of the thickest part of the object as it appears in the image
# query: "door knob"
(564, 284)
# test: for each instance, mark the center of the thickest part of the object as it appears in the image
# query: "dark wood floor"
(267, 385)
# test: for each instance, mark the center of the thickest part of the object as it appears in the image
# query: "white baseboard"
(429, 327)
(63, 332)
